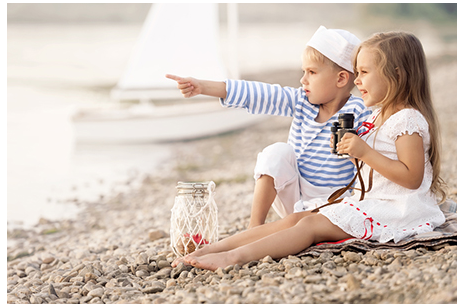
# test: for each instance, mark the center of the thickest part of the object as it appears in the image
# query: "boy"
(289, 174)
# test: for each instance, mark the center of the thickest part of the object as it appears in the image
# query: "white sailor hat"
(337, 45)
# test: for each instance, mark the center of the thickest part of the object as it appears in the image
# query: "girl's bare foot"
(212, 261)
(202, 251)
(186, 259)
(181, 259)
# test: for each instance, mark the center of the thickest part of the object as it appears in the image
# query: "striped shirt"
(310, 139)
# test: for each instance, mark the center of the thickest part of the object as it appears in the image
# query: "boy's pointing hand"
(188, 86)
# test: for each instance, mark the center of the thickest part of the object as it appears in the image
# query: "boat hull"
(162, 124)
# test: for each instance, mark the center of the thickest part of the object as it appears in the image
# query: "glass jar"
(194, 220)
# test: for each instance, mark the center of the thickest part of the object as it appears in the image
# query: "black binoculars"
(345, 124)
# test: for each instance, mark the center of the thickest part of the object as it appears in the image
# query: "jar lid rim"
(192, 185)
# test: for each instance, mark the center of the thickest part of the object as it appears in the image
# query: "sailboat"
(181, 39)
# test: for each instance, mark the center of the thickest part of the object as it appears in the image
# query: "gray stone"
(51, 290)
(370, 261)
(81, 253)
(329, 265)
(271, 279)
(351, 256)
(90, 276)
(220, 272)
(48, 260)
(157, 234)
(312, 279)
(34, 300)
(97, 292)
(244, 272)
(63, 294)
(183, 274)
(164, 272)
(142, 259)
(229, 268)
(163, 264)
(325, 256)
(123, 268)
(395, 265)
(177, 270)
(153, 289)
(29, 270)
(85, 270)
(267, 259)
(170, 283)
(141, 273)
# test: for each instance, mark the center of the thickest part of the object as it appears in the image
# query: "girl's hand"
(353, 145)
(188, 86)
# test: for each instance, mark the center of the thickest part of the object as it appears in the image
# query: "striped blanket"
(444, 234)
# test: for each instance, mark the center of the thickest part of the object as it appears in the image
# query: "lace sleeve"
(406, 121)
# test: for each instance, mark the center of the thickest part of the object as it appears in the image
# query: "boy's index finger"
(174, 77)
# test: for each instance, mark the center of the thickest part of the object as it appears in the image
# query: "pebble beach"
(117, 249)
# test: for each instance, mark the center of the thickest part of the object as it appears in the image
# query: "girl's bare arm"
(407, 171)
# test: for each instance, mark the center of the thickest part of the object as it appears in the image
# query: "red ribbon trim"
(371, 221)
(367, 125)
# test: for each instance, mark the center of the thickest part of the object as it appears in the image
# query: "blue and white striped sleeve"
(361, 112)
(261, 98)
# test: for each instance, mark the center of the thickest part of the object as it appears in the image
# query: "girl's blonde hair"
(400, 59)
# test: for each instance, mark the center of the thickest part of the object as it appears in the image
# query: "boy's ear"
(343, 78)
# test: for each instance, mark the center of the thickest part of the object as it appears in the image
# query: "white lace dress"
(390, 211)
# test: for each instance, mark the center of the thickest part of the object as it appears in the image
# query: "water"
(52, 70)
(47, 170)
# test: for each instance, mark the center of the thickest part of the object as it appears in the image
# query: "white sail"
(176, 38)
(180, 39)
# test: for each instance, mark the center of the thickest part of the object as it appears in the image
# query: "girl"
(400, 150)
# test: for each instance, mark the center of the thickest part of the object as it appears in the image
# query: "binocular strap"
(334, 197)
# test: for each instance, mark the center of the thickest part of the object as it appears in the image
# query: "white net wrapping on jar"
(194, 220)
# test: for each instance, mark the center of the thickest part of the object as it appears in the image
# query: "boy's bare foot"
(211, 261)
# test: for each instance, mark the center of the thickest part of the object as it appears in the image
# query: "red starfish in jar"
(197, 239)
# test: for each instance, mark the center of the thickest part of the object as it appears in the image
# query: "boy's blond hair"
(316, 56)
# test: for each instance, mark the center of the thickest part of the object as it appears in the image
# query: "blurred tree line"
(329, 14)
(434, 12)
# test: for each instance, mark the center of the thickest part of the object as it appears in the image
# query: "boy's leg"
(263, 198)
(277, 177)
(310, 229)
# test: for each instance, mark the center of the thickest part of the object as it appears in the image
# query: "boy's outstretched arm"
(190, 87)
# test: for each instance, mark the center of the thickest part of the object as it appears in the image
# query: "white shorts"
(293, 191)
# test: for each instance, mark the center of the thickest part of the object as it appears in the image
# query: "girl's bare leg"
(311, 229)
(263, 198)
(245, 237)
